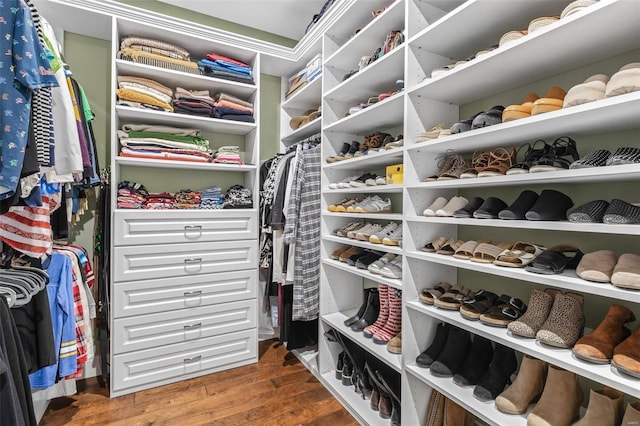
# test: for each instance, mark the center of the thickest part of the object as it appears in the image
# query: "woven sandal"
(621, 212)
(501, 161)
(597, 158)
(456, 296)
(428, 295)
(465, 251)
(487, 253)
(450, 247)
(479, 162)
(435, 245)
(520, 255)
(591, 212)
(505, 310)
(624, 155)
(482, 301)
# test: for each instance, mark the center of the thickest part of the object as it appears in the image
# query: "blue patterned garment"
(23, 68)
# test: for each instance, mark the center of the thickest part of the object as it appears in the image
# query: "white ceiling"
(287, 18)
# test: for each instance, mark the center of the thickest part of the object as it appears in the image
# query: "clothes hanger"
(9, 294)
(21, 290)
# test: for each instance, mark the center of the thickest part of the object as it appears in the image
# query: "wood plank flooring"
(278, 390)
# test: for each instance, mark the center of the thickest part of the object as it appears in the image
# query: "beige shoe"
(526, 388)
(560, 402)
(605, 408)
(565, 323)
(540, 303)
(631, 415)
(395, 344)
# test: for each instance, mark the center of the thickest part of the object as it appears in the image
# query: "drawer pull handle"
(192, 359)
(192, 326)
(193, 293)
(193, 260)
(193, 227)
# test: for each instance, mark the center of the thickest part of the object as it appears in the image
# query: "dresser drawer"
(182, 260)
(148, 331)
(183, 359)
(183, 226)
(167, 294)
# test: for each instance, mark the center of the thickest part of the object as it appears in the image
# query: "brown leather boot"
(605, 408)
(631, 415)
(560, 401)
(626, 356)
(598, 345)
(455, 415)
(526, 388)
(435, 412)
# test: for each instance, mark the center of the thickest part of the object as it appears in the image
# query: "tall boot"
(455, 415)
(435, 411)
(370, 313)
(560, 401)
(605, 408)
(383, 314)
(526, 388)
(394, 322)
(631, 414)
(598, 345)
(365, 301)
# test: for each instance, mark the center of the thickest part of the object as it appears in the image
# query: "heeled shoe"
(492, 383)
(365, 301)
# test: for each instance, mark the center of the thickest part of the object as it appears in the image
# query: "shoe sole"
(388, 242)
(361, 210)
(625, 370)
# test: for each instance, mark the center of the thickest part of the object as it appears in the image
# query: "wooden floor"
(278, 390)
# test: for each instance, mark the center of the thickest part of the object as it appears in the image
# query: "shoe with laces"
(375, 205)
(375, 267)
(337, 185)
(332, 207)
(352, 207)
(352, 233)
(361, 181)
(342, 232)
(394, 239)
(378, 237)
(365, 233)
(345, 206)
(373, 180)
(392, 269)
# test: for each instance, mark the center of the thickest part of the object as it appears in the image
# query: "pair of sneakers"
(349, 227)
(359, 181)
(390, 235)
(392, 269)
(373, 204)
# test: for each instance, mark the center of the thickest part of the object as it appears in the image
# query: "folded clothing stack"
(193, 102)
(156, 53)
(131, 195)
(163, 143)
(187, 199)
(139, 92)
(238, 197)
(228, 155)
(219, 66)
(211, 198)
(229, 107)
(160, 201)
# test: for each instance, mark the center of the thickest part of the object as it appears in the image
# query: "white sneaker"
(439, 203)
(374, 268)
(375, 205)
(352, 208)
(381, 180)
(337, 185)
(342, 232)
(378, 237)
(364, 233)
(456, 203)
(393, 239)
(352, 233)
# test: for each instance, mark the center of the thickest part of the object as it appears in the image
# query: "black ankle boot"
(370, 313)
(454, 352)
(493, 381)
(475, 363)
(365, 300)
(426, 358)
(347, 372)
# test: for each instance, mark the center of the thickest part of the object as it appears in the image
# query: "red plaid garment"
(80, 334)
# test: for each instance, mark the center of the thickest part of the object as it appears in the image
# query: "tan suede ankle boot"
(526, 388)
(560, 401)
(605, 408)
(632, 415)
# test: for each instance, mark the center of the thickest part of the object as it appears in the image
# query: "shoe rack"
(542, 59)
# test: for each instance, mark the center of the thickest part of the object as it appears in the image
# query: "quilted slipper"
(550, 205)
(555, 261)
(626, 80)
(626, 274)
(505, 310)
(591, 90)
(520, 255)
(488, 118)
(467, 211)
(428, 295)
(621, 212)
(449, 248)
(481, 303)
(597, 266)
(487, 253)
(591, 212)
(435, 244)
(518, 111)
(465, 251)
(518, 209)
(490, 208)
(439, 203)
(454, 298)
(597, 158)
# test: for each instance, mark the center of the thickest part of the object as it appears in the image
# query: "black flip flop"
(467, 211)
(518, 209)
(591, 212)
(490, 208)
(554, 260)
(550, 205)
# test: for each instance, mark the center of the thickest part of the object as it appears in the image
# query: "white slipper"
(592, 89)
(439, 203)
(626, 80)
(456, 203)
